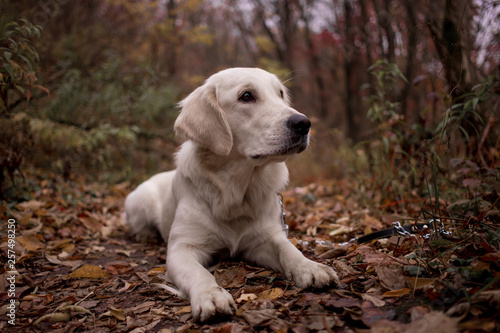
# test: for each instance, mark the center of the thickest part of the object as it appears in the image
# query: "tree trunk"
(348, 68)
(411, 26)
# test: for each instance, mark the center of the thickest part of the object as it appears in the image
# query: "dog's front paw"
(207, 303)
(313, 274)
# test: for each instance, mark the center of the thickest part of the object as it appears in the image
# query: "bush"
(98, 121)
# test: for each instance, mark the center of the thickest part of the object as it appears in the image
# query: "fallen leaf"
(418, 312)
(343, 302)
(471, 182)
(232, 277)
(156, 271)
(376, 301)
(391, 277)
(373, 222)
(31, 205)
(147, 328)
(91, 223)
(124, 252)
(246, 298)
(118, 267)
(125, 287)
(257, 317)
(272, 293)
(419, 283)
(90, 271)
(57, 317)
(340, 231)
(227, 328)
(73, 308)
(53, 259)
(434, 322)
(31, 242)
(146, 306)
(184, 309)
(373, 314)
(117, 313)
(397, 293)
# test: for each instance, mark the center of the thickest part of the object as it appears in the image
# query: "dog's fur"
(240, 129)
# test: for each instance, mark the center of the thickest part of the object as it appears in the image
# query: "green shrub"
(95, 121)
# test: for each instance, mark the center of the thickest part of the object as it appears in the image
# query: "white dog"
(240, 129)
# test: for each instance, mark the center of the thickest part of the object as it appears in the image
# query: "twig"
(487, 130)
(83, 299)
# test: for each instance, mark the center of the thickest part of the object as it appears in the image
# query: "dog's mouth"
(295, 147)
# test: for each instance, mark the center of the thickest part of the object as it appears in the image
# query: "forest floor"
(78, 270)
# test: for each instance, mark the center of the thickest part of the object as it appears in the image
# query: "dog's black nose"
(299, 124)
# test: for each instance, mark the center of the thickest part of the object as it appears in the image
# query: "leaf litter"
(77, 269)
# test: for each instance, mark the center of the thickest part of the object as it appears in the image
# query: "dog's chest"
(235, 209)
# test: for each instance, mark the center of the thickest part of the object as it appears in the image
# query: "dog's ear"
(203, 121)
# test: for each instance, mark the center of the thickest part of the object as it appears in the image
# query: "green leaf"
(475, 100)
(20, 89)
(7, 55)
(414, 270)
(464, 133)
(386, 145)
(10, 70)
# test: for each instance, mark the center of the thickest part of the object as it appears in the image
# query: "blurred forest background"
(403, 95)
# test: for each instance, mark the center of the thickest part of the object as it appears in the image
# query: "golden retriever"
(239, 129)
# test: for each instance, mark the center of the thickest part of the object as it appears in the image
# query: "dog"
(239, 129)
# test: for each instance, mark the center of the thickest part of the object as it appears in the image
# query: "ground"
(77, 269)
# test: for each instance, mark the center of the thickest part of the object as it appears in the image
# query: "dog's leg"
(279, 254)
(185, 269)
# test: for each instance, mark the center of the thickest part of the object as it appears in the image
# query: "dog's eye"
(247, 97)
(281, 93)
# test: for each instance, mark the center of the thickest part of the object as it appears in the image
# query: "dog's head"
(246, 110)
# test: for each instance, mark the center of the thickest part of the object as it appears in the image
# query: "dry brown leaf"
(69, 263)
(370, 256)
(53, 259)
(117, 313)
(57, 317)
(156, 271)
(419, 283)
(257, 317)
(231, 277)
(272, 293)
(118, 267)
(31, 205)
(73, 308)
(146, 306)
(340, 231)
(90, 271)
(373, 222)
(90, 223)
(246, 298)
(397, 293)
(391, 277)
(478, 326)
(434, 322)
(124, 252)
(31, 242)
(376, 301)
(125, 287)
(148, 328)
(388, 326)
(372, 314)
(184, 309)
